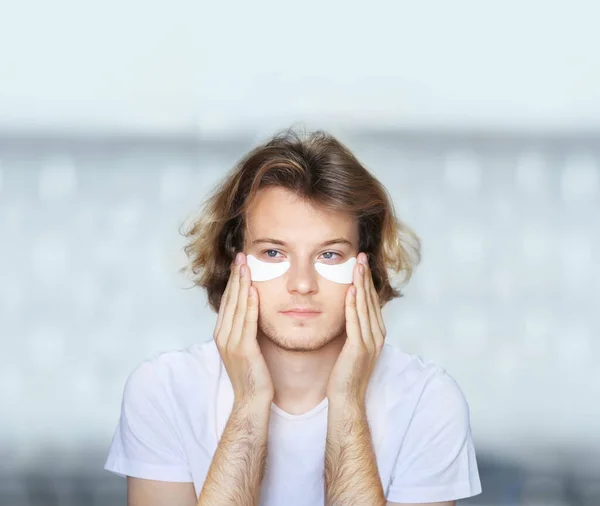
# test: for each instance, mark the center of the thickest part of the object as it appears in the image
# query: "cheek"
(269, 292)
(334, 295)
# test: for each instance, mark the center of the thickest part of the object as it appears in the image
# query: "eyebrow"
(339, 240)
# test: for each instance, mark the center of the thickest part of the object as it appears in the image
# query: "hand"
(235, 334)
(365, 333)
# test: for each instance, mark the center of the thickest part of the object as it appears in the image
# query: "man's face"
(281, 227)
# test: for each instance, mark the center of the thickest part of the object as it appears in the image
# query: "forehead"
(280, 214)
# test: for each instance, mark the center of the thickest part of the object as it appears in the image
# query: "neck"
(299, 377)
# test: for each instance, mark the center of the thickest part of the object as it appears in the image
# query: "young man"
(297, 399)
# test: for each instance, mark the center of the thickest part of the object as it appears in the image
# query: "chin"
(304, 337)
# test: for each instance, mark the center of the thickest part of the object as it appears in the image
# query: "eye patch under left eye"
(338, 273)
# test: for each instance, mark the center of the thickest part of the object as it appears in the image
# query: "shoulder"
(172, 371)
(423, 384)
(164, 400)
(434, 453)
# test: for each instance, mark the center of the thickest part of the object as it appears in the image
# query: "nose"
(302, 278)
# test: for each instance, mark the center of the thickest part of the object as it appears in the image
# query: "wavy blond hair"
(324, 172)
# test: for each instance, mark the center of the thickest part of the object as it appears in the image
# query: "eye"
(269, 251)
(330, 253)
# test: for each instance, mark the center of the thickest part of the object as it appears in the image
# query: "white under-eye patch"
(265, 271)
(338, 273)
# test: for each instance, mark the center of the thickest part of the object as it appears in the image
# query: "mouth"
(301, 313)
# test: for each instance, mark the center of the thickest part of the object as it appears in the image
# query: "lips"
(300, 309)
(301, 312)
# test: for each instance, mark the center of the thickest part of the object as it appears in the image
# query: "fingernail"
(361, 269)
(242, 270)
(363, 258)
(238, 259)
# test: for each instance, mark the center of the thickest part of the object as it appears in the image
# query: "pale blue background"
(482, 120)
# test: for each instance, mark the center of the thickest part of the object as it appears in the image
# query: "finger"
(370, 288)
(379, 313)
(240, 311)
(353, 332)
(230, 304)
(361, 307)
(251, 320)
(222, 304)
(375, 318)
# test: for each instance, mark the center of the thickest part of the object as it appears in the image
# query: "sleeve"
(436, 461)
(146, 443)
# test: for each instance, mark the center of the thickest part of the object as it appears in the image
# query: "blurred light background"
(481, 118)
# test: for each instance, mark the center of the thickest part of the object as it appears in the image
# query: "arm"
(351, 474)
(238, 465)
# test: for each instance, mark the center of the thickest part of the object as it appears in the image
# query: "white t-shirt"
(175, 407)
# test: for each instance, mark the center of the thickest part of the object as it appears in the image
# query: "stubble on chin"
(319, 339)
